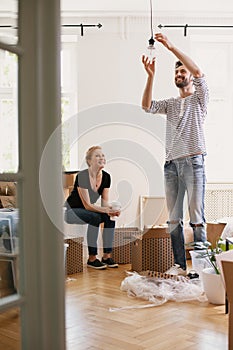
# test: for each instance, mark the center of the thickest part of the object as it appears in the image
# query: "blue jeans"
(82, 216)
(185, 175)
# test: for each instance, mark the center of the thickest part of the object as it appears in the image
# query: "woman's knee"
(95, 219)
(107, 221)
(72, 218)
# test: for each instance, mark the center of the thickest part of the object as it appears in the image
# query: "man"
(184, 169)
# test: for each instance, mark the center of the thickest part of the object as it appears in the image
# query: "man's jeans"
(185, 175)
(82, 216)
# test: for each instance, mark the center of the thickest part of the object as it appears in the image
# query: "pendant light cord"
(151, 19)
(151, 40)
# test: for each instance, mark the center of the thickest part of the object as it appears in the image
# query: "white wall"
(179, 6)
(111, 80)
(110, 83)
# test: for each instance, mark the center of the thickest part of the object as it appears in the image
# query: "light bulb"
(151, 52)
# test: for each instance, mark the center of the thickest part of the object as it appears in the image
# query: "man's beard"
(182, 83)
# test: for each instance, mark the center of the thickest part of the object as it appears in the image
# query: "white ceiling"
(209, 8)
(178, 6)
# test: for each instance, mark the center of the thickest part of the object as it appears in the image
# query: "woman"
(90, 184)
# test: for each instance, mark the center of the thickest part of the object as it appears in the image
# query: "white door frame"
(41, 292)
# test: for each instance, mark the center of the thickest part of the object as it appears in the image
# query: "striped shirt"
(185, 119)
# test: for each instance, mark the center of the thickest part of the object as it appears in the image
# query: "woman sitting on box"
(91, 184)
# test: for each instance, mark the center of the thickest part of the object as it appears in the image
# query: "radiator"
(218, 205)
(218, 201)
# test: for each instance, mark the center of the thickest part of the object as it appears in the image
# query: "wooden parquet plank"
(9, 330)
(91, 326)
(173, 325)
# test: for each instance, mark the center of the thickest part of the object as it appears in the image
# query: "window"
(8, 112)
(69, 105)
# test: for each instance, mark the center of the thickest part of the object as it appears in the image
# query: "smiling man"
(184, 168)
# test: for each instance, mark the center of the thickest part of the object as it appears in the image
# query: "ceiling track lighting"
(82, 26)
(186, 26)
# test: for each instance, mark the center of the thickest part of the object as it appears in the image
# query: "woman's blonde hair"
(90, 152)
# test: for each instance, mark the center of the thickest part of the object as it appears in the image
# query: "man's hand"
(149, 66)
(181, 56)
(164, 40)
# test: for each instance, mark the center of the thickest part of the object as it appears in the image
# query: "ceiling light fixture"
(151, 47)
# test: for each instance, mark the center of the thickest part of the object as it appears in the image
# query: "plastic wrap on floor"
(160, 288)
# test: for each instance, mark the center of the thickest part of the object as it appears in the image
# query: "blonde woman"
(91, 184)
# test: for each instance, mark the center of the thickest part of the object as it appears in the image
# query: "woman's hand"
(112, 212)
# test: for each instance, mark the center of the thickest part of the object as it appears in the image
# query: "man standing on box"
(184, 169)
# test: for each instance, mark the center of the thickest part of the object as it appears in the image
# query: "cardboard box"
(7, 277)
(153, 251)
(214, 231)
(122, 244)
(69, 178)
(74, 255)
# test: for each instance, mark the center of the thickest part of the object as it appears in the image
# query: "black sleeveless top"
(82, 180)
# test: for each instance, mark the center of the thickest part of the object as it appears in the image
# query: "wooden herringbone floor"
(181, 326)
(91, 326)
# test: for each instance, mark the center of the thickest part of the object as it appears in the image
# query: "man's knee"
(197, 225)
(175, 222)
